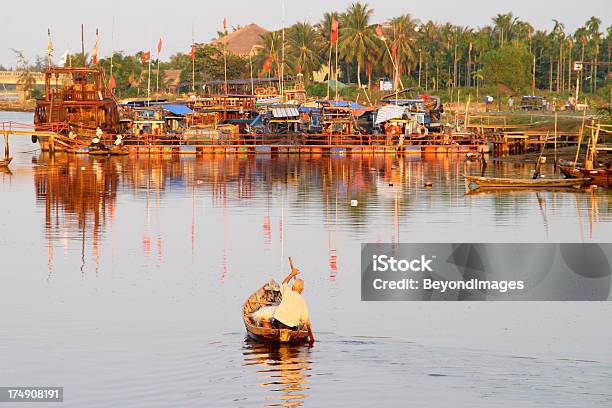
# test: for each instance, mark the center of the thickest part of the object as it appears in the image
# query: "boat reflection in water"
(82, 195)
(281, 370)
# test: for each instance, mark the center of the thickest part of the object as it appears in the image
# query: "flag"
(193, 52)
(225, 24)
(394, 50)
(145, 57)
(299, 67)
(111, 83)
(380, 33)
(334, 30)
(64, 57)
(49, 44)
(529, 34)
(159, 45)
(584, 39)
(94, 55)
(267, 64)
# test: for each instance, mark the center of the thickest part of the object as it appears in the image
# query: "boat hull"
(269, 294)
(531, 183)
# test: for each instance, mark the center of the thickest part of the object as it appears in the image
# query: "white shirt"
(292, 309)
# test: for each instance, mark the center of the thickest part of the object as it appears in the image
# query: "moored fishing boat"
(523, 182)
(268, 295)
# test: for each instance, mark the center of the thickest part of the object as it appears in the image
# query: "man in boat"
(119, 141)
(292, 309)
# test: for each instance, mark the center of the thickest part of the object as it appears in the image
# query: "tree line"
(508, 53)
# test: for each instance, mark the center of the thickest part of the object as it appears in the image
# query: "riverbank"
(12, 106)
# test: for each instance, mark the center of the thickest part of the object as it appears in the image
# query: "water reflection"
(282, 371)
(80, 196)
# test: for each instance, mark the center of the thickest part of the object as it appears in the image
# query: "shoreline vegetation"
(507, 57)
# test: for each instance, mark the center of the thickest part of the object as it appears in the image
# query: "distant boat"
(521, 182)
(268, 295)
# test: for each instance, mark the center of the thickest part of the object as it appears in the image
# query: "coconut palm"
(269, 52)
(504, 24)
(357, 37)
(403, 39)
(305, 48)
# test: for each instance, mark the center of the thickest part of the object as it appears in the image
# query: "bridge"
(12, 77)
(10, 88)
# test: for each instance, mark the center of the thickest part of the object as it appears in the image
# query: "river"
(123, 279)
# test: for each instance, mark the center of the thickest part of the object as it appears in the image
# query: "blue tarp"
(352, 105)
(177, 109)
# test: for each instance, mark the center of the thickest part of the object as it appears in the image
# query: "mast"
(282, 70)
(192, 59)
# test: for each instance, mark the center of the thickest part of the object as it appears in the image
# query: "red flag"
(225, 24)
(145, 57)
(394, 50)
(193, 52)
(159, 45)
(334, 30)
(299, 67)
(267, 64)
(111, 83)
(380, 33)
(584, 39)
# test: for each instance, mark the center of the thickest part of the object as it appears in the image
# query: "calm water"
(123, 280)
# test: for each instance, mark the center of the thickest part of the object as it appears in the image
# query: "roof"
(172, 77)
(389, 112)
(242, 41)
(285, 112)
(177, 109)
(345, 104)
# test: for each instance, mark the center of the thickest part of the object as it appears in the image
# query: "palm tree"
(404, 41)
(504, 24)
(269, 51)
(558, 34)
(305, 48)
(357, 37)
(592, 27)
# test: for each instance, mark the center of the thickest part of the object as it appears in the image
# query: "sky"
(139, 25)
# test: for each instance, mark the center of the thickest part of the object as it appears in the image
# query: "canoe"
(5, 162)
(268, 295)
(522, 182)
(99, 152)
(510, 190)
(570, 171)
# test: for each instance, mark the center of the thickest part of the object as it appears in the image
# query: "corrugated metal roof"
(389, 112)
(285, 112)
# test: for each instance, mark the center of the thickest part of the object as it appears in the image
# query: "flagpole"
(336, 71)
(149, 81)
(329, 66)
(192, 59)
(112, 48)
(251, 70)
(282, 73)
(225, 62)
(157, 76)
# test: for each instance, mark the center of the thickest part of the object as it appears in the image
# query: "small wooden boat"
(268, 295)
(119, 151)
(522, 182)
(570, 171)
(96, 150)
(597, 176)
(4, 163)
